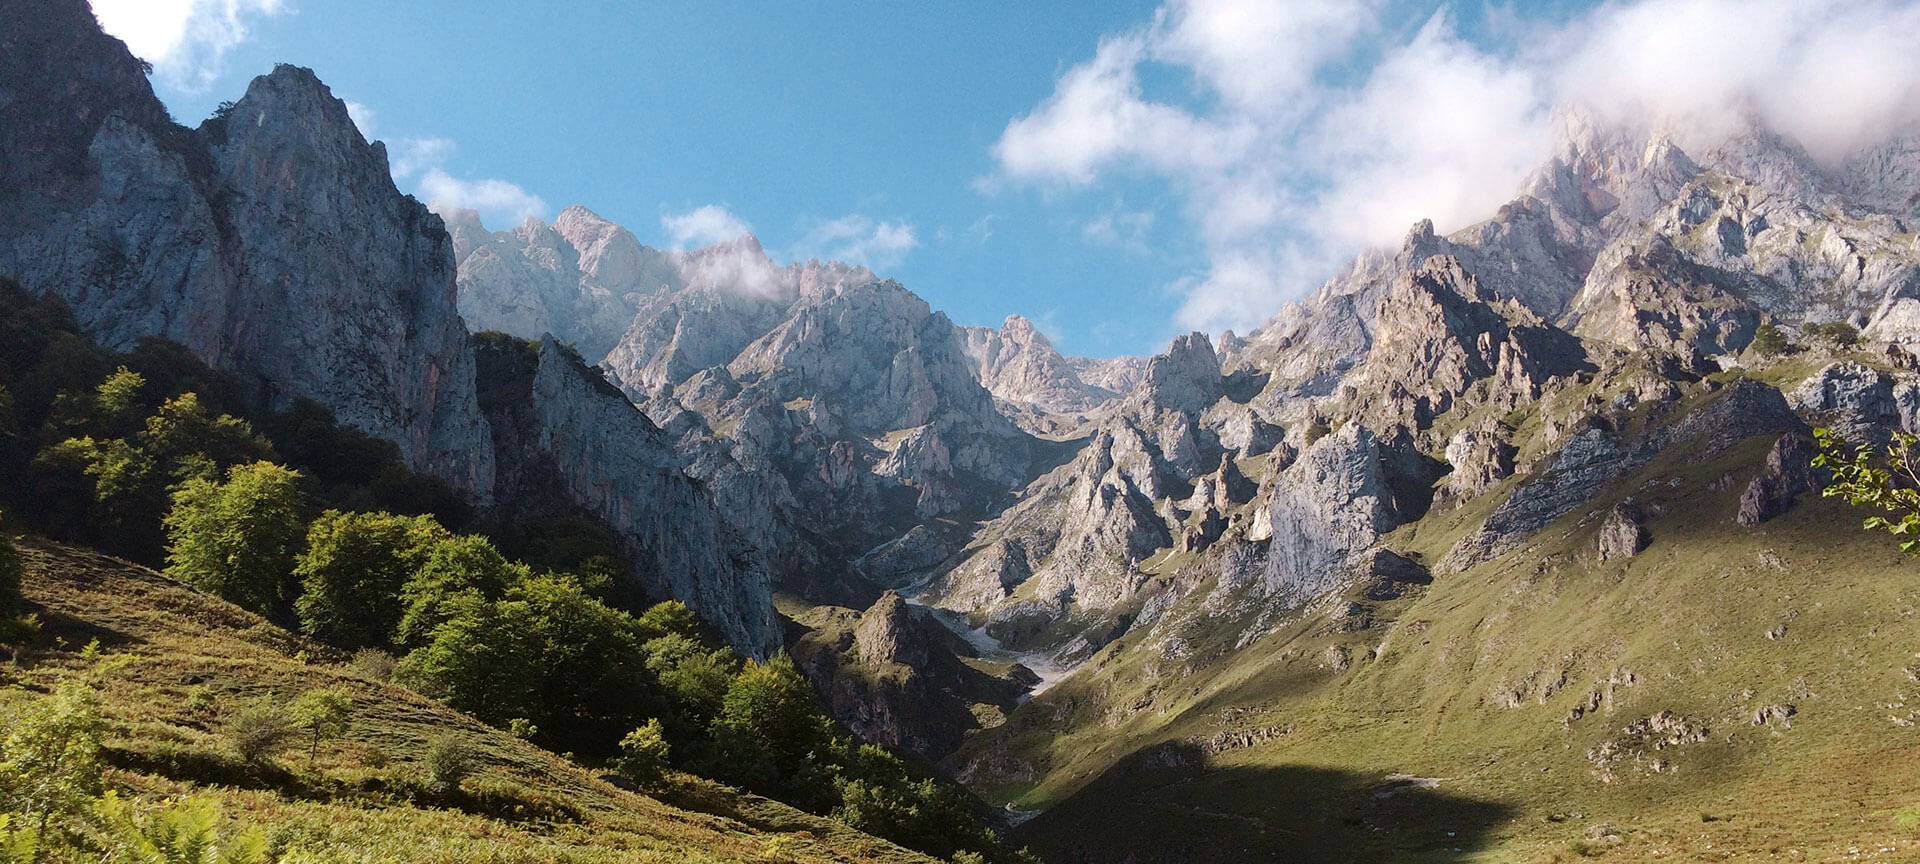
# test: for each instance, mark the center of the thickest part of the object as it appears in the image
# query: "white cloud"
(413, 156)
(363, 118)
(498, 201)
(186, 40)
(857, 239)
(703, 226)
(1314, 130)
(422, 162)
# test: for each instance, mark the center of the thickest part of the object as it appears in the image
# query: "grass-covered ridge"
(177, 667)
(1727, 694)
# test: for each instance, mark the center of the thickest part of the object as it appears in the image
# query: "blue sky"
(1241, 157)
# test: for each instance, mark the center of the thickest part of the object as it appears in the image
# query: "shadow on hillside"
(1164, 805)
(62, 632)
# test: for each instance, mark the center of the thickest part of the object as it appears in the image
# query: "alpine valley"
(1505, 544)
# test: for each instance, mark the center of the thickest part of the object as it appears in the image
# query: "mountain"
(1045, 392)
(836, 417)
(1461, 527)
(272, 243)
(151, 229)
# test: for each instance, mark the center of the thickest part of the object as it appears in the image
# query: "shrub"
(373, 664)
(449, 761)
(1768, 340)
(324, 713)
(643, 754)
(257, 732)
(200, 701)
(50, 768)
(522, 728)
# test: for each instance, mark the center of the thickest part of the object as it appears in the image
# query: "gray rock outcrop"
(270, 241)
(1623, 533)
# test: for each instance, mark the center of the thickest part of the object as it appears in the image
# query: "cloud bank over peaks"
(703, 226)
(857, 239)
(1315, 129)
(186, 40)
(421, 162)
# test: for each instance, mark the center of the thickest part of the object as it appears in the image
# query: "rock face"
(1787, 474)
(1161, 472)
(1036, 386)
(150, 229)
(582, 276)
(1858, 402)
(1622, 534)
(1345, 491)
(559, 423)
(896, 676)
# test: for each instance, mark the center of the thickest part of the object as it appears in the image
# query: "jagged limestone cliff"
(270, 240)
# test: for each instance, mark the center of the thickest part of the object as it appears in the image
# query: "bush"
(373, 664)
(257, 732)
(1768, 341)
(238, 539)
(643, 754)
(449, 761)
(50, 768)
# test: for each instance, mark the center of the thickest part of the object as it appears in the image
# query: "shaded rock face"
(1622, 533)
(1788, 473)
(1860, 403)
(897, 677)
(561, 424)
(271, 242)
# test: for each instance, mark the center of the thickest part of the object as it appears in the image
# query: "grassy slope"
(1543, 629)
(523, 804)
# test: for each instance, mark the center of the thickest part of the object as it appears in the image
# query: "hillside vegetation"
(1727, 694)
(176, 669)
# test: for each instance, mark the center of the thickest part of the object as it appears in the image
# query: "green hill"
(1728, 694)
(176, 667)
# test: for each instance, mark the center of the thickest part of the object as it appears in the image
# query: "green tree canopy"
(353, 570)
(481, 660)
(323, 713)
(238, 539)
(464, 564)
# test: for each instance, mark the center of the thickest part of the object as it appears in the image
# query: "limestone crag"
(1161, 472)
(616, 463)
(896, 676)
(270, 241)
(1034, 384)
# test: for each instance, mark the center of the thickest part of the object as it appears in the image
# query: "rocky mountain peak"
(151, 230)
(1186, 378)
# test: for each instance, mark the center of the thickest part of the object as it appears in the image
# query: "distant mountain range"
(1416, 521)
